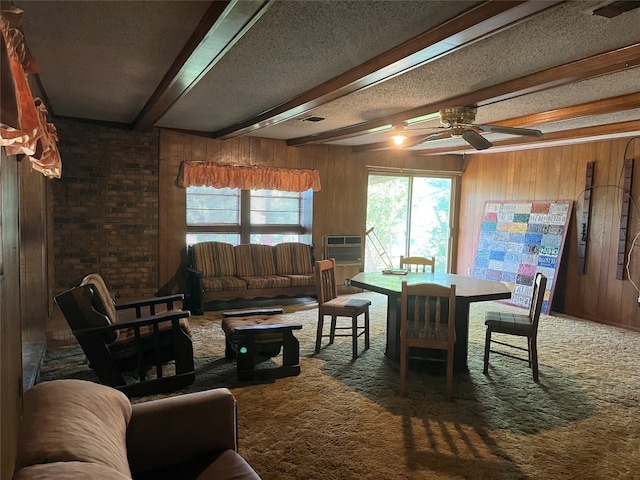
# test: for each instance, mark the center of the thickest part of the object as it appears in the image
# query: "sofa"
(221, 271)
(81, 429)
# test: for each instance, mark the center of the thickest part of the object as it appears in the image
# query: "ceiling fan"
(458, 122)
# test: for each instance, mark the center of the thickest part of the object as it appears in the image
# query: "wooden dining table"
(468, 290)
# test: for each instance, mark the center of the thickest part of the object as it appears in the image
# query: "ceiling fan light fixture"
(398, 138)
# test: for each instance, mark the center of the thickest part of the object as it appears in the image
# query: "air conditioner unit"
(346, 249)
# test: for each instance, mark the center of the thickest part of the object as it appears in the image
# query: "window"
(248, 216)
(408, 215)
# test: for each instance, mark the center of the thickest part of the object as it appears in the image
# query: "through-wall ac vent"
(618, 7)
(313, 119)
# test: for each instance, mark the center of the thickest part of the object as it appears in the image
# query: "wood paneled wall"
(555, 173)
(36, 301)
(10, 338)
(339, 208)
(558, 173)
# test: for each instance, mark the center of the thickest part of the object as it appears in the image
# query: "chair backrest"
(326, 280)
(418, 264)
(427, 312)
(106, 304)
(82, 308)
(537, 297)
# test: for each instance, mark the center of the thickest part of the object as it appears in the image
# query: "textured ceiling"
(259, 67)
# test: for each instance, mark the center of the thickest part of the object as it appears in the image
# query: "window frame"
(245, 228)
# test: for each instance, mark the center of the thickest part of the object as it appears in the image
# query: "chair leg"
(403, 368)
(487, 348)
(366, 329)
(354, 336)
(533, 353)
(332, 333)
(319, 332)
(450, 374)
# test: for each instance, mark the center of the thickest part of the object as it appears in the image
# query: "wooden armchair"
(146, 340)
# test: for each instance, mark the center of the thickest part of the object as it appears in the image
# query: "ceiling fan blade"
(527, 132)
(476, 140)
(422, 139)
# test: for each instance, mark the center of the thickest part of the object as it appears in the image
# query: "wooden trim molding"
(223, 24)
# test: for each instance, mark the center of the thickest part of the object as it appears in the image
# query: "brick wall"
(105, 208)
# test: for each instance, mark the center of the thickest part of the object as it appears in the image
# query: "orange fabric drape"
(23, 120)
(209, 174)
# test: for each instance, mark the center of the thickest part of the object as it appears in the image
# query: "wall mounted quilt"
(518, 239)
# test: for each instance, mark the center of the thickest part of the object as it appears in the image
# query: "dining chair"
(518, 324)
(418, 264)
(330, 304)
(427, 321)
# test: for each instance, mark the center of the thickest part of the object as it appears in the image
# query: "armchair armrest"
(195, 290)
(194, 271)
(136, 323)
(177, 429)
(151, 303)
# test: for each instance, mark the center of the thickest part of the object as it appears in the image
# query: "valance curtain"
(23, 120)
(209, 174)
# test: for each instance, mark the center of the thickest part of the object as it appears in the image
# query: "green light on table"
(243, 350)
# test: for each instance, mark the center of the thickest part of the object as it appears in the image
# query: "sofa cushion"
(220, 284)
(230, 324)
(254, 260)
(214, 259)
(293, 258)
(302, 280)
(47, 471)
(270, 281)
(74, 420)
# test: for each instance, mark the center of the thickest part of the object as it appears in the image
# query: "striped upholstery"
(220, 284)
(302, 280)
(214, 259)
(254, 260)
(268, 281)
(293, 258)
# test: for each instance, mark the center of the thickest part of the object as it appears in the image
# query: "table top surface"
(474, 289)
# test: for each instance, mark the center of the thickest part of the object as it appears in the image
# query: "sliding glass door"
(410, 215)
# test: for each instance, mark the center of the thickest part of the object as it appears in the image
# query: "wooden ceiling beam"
(559, 137)
(481, 21)
(598, 107)
(222, 25)
(604, 63)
